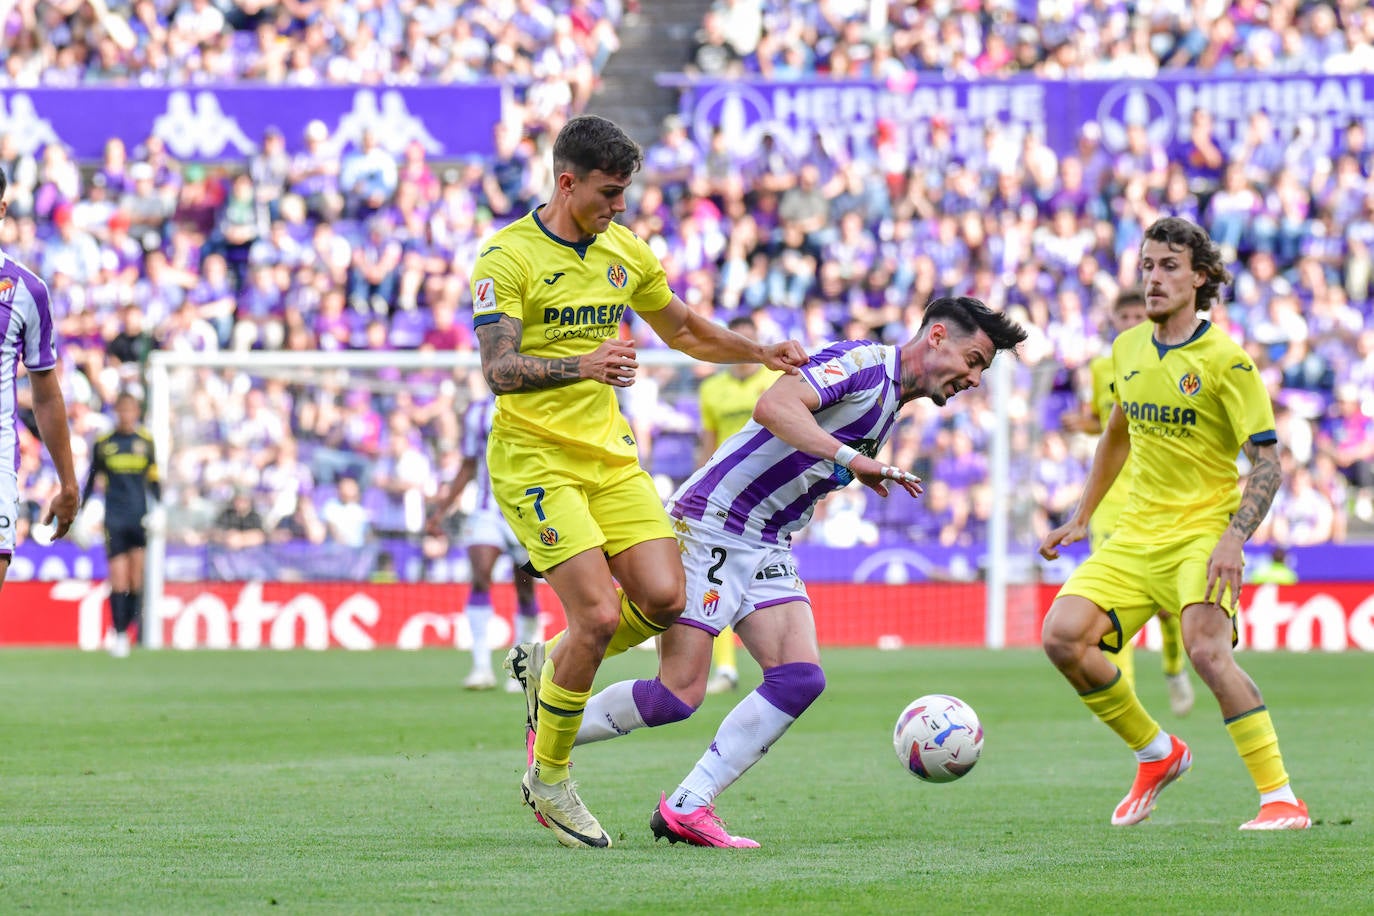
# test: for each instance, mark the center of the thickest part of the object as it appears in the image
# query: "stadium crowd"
(351, 249)
(855, 39)
(551, 52)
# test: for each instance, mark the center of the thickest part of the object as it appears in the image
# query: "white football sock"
(1162, 746)
(526, 628)
(1283, 793)
(743, 738)
(610, 714)
(479, 617)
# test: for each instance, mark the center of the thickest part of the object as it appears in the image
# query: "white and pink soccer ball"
(938, 738)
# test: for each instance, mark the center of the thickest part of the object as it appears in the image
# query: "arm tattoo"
(509, 371)
(1263, 482)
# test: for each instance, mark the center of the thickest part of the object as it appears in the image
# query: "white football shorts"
(487, 527)
(9, 510)
(729, 578)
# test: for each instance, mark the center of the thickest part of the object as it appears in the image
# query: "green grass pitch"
(263, 781)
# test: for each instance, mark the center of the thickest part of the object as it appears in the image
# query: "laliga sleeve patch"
(831, 372)
(484, 296)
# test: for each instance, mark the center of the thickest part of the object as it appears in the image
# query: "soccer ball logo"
(938, 738)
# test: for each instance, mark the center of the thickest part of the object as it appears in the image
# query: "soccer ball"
(938, 738)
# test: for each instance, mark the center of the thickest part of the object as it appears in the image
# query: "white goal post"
(173, 376)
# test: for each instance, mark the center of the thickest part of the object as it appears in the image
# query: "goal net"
(296, 485)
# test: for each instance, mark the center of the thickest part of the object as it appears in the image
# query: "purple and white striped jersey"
(759, 487)
(476, 431)
(26, 334)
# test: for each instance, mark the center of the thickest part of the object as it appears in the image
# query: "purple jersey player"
(487, 536)
(811, 434)
(27, 336)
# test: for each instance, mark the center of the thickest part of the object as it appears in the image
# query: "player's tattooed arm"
(509, 371)
(1266, 475)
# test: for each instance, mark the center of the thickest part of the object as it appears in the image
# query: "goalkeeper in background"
(726, 401)
(123, 459)
(1128, 311)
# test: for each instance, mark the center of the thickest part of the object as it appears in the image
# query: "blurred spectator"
(146, 207)
(1302, 515)
(270, 170)
(374, 277)
(404, 476)
(303, 524)
(344, 515)
(72, 253)
(238, 525)
(367, 177)
(314, 174)
(199, 199)
(1347, 436)
(21, 170)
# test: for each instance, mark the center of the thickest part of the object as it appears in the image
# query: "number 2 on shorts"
(538, 494)
(720, 556)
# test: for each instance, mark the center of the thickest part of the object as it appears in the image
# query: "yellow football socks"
(1125, 660)
(1117, 705)
(1171, 629)
(1258, 745)
(723, 650)
(634, 627)
(560, 716)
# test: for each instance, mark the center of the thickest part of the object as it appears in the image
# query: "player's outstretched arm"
(785, 410)
(1112, 451)
(1227, 563)
(683, 329)
(448, 497)
(50, 412)
(508, 371)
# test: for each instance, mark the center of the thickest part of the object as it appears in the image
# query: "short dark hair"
(742, 321)
(970, 315)
(588, 144)
(1131, 295)
(4, 184)
(1178, 234)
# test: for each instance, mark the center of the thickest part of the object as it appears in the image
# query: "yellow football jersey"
(727, 402)
(570, 297)
(1190, 407)
(1109, 509)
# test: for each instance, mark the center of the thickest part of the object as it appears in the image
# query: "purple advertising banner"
(850, 113)
(219, 123)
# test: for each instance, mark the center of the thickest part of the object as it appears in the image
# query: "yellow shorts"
(559, 506)
(1132, 582)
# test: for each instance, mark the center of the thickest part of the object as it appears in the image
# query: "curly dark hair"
(588, 143)
(1179, 234)
(969, 315)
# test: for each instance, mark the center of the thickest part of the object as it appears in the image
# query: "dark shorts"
(124, 539)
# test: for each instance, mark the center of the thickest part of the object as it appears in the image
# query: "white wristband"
(846, 455)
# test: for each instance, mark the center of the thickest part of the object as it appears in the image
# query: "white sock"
(1162, 746)
(741, 741)
(610, 714)
(479, 617)
(1283, 793)
(526, 628)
